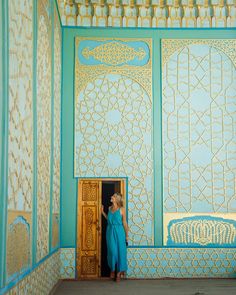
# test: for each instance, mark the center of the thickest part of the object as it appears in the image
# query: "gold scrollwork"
(114, 53)
(140, 74)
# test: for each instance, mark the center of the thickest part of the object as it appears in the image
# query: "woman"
(116, 236)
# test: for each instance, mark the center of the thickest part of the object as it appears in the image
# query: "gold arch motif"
(141, 74)
(170, 46)
(86, 75)
(203, 232)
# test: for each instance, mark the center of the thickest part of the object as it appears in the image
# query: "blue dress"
(116, 245)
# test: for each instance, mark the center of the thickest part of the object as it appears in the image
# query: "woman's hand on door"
(102, 211)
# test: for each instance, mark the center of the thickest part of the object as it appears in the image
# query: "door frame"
(123, 190)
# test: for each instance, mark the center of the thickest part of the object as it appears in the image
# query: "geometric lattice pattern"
(20, 140)
(57, 118)
(113, 138)
(181, 262)
(42, 279)
(20, 137)
(43, 126)
(113, 127)
(199, 119)
(18, 247)
(142, 263)
(67, 257)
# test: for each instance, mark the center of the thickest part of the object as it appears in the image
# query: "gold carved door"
(89, 229)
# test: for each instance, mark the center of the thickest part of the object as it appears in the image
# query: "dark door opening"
(108, 189)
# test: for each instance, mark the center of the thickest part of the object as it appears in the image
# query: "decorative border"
(181, 263)
(42, 278)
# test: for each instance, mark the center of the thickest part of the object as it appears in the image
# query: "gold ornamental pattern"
(113, 122)
(170, 46)
(57, 129)
(141, 74)
(198, 95)
(114, 53)
(43, 126)
(89, 240)
(57, 113)
(42, 278)
(203, 232)
(89, 192)
(20, 141)
(181, 262)
(88, 264)
(20, 136)
(18, 248)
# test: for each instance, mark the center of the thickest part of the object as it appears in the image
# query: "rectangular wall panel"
(199, 142)
(20, 137)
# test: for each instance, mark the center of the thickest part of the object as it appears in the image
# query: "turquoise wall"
(7, 63)
(69, 182)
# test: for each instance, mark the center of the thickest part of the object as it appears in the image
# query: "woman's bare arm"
(102, 211)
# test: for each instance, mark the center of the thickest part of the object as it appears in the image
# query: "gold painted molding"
(174, 13)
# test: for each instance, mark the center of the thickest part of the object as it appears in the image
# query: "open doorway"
(91, 253)
(108, 189)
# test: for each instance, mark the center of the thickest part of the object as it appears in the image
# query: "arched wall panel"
(199, 120)
(113, 122)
